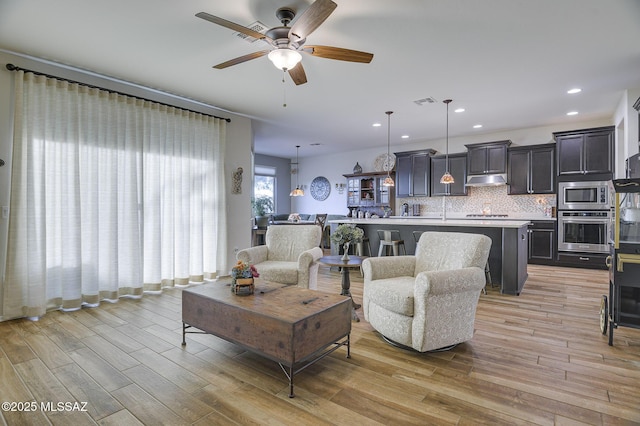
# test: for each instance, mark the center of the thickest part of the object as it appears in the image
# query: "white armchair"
(427, 301)
(290, 255)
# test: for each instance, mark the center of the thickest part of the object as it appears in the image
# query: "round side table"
(346, 266)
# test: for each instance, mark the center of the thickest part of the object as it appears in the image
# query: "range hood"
(487, 180)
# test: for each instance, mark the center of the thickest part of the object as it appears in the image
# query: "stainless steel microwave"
(593, 195)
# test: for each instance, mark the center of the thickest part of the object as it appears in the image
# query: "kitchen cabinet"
(413, 171)
(457, 168)
(531, 169)
(582, 260)
(582, 152)
(487, 158)
(366, 190)
(542, 242)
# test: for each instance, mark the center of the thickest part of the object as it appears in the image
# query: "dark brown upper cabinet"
(413, 171)
(588, 151)
(457, 168)
(531, 169)
(487, 158)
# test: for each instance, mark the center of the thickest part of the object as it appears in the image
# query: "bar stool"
(390, 238)
(359, 250)
(359, 247)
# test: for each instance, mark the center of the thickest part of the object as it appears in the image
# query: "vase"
(357, 169)
(242, 286)
(345, 246)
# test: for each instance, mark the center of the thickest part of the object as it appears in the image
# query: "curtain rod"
(12, 67)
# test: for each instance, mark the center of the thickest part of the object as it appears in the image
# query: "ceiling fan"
(286, 43)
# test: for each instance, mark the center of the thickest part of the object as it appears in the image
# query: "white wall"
(239, 150)
(626, 122)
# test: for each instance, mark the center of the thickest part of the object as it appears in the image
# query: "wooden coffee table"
(292, 326)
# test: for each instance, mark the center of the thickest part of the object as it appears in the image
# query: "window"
(264, 186)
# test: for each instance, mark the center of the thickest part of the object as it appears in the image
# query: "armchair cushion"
(393, 294)
(290, 255)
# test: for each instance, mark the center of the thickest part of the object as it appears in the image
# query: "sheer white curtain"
(110, 196)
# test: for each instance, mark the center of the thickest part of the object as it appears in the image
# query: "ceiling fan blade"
(339, 53)
(298, 75)
(241, 59)
(233, 26)
(311, 19)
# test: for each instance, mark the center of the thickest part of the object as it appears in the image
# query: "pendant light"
(446, 178)
(298, 192)
(388, 181)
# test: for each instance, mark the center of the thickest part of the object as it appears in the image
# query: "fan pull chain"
(284, 90)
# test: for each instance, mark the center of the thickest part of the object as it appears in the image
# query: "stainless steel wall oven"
(584, 231)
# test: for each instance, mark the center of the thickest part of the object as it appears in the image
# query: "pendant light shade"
(388, 181)
(446, 178)
(297, 192)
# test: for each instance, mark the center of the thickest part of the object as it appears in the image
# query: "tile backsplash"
(494, 198)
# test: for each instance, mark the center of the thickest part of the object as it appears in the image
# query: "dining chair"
(321, 221)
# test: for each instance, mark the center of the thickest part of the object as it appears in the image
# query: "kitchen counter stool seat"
(390, 239)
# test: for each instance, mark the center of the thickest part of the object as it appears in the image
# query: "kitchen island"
(507, 258)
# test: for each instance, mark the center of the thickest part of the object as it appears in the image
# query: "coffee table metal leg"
(291, 382)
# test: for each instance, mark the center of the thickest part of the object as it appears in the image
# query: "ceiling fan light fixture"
(284, 58)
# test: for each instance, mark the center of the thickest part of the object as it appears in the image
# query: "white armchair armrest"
(447, 282)
(378, 268)
(307, 257)
(308, 268)
(253, 255)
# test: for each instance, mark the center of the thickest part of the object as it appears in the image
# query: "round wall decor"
(320, 188)
(384, 162)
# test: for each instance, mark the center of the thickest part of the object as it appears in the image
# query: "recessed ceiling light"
(377, 124)
(459, 110)
(315, 144)
(572, 113)
(477, 126)
(405, 136)
(574, 91)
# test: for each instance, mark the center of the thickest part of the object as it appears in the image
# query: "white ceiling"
(509, 63)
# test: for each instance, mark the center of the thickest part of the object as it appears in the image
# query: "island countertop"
(423, 221)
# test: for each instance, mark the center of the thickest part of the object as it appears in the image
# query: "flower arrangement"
(242, 275)
(244, 270)
(347, 233)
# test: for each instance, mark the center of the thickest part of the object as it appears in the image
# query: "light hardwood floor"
(537, 358)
